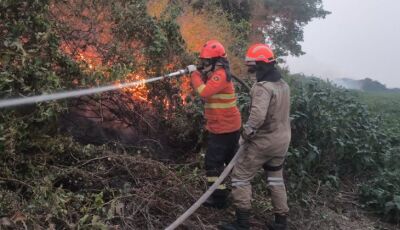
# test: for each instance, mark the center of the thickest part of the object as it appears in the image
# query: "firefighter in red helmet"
(213, 82)
(265, 140)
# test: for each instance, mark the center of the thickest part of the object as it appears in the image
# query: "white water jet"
(82, 92)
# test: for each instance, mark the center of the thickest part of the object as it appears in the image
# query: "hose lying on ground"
(207, 194)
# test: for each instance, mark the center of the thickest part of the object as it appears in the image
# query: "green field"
(386, 105)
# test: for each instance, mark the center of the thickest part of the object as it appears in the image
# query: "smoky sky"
(361, 38)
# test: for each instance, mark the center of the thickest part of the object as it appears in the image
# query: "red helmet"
(260, 52)
(212, 49)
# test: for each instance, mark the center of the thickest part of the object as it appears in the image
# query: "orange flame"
(91, 32)
(140, 91)
(186, 89)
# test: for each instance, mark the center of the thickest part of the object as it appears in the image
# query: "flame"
(86, 38)
(140, 91)
(186, 89)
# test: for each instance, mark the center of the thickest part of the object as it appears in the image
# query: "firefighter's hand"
(247, 132)
(241, 141)
(191, 68)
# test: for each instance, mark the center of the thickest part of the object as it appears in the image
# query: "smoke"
(348, 83)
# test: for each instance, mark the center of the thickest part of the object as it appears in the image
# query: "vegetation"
(383, 192)
(337, 137)
(102, 162)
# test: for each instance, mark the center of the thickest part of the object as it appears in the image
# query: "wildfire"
(89, 57)
(186, 89)
(140, 91)
(88, 38)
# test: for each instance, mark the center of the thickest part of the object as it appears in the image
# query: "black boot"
(241, 223)
(279, 224)
(218, 200)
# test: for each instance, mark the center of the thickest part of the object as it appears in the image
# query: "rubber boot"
(279, 224)
(218, 200)
(241, 223)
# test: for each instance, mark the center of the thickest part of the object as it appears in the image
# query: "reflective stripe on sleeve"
(220, 105)
(201, 88)
(224, 96)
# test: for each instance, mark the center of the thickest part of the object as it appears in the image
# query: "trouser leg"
(232, 146)
(244, 171)
(221, 148)
(276, 185)
(277, 189)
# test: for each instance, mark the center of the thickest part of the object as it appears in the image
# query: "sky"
(359, 39)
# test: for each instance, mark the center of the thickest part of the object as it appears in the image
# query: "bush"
(382, 194)
(335, 137)
(333, 134)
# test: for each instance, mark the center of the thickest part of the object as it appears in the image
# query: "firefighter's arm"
(260, 99)
(215, 84)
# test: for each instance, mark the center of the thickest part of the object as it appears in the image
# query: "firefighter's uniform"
(223, 125)
(267, 148)
(265, 140)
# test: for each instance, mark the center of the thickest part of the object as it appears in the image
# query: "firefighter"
(265, 138)
(213, 82)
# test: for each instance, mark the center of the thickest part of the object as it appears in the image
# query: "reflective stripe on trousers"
(238, 183)
(275, 181)
(211, 181)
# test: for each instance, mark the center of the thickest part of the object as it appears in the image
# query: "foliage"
(334, 136)
(282, 21)
(287, 20)
(30, 64)
(38, 173)
(382, 194)
(385, 105)
(48, 180)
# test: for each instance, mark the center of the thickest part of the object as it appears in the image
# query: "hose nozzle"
(187, 70)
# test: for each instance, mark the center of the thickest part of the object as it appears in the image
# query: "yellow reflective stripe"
(221, 186)
(201, 88)
(224, 96)
(220, 105)
(212, 179)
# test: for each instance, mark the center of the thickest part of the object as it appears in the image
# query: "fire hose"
(208, 193)
(83, 92)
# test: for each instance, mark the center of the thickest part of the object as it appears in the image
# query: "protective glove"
(191, 68)
(241, 141)
(247, 132)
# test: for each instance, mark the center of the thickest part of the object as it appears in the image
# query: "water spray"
(83, 92)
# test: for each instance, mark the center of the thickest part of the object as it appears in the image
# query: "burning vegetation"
(107, 47)
(134, 166)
